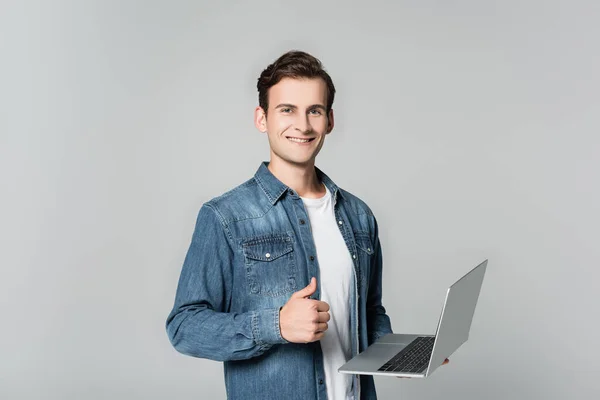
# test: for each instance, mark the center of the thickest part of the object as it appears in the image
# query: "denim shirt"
(252, 247)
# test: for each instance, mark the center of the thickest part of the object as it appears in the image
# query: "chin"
(299, 161)
(293, 159)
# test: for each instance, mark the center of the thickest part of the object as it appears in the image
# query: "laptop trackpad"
(396, 338)
(373, 357)
(379, 353)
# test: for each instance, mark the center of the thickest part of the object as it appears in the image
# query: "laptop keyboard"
(413, 358)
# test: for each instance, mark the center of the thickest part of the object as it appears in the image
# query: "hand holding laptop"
(418, 355)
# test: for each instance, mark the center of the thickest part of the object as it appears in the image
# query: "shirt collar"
(274, 188)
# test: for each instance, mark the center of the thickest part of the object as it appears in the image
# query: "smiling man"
(282, 279)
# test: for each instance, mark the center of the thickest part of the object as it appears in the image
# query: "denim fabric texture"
(252, 248)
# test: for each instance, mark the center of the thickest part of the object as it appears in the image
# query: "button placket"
(305, 231)
(352, 250)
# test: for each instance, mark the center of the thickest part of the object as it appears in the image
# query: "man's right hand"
(304, 320)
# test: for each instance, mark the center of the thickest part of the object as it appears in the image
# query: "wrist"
(281, 317)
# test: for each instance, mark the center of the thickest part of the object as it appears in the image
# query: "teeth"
(299, 140)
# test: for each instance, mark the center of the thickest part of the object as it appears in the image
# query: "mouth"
(300, 140)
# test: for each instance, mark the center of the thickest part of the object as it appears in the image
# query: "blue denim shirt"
(251, 249)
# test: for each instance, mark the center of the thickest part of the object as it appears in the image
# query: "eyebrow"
(311, 107)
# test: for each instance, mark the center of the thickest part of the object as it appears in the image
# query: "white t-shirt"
(335, 269)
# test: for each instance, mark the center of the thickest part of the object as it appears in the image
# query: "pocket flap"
(363, 242)
(267, 249)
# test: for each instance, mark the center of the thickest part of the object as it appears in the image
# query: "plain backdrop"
(469, 127)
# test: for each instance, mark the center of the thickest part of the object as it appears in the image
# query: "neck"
(302, 178)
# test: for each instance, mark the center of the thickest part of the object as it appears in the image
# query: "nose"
(303, 124)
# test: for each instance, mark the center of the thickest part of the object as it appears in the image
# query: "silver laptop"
(417, 356)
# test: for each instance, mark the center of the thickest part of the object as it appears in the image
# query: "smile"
(298, 140)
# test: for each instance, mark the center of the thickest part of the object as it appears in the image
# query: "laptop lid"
(457, 316)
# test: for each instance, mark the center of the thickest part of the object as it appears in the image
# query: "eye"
(286, 110)
(315, 112)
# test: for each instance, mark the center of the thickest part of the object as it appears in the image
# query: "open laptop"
(417, 356)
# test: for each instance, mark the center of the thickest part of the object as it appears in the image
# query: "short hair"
(293, 64)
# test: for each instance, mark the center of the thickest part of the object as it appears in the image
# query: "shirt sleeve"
(199, 324)
(378, 322)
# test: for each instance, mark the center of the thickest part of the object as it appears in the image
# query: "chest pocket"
(270, 265)
(364, 248)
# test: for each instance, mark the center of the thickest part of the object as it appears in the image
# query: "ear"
(330, 122)
(260, 119)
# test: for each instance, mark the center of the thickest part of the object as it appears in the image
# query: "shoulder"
(356, 204)
(366, 222)
(244, 201)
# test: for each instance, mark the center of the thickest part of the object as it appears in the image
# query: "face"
(296, 122)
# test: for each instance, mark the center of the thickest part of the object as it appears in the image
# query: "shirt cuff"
(265, 327)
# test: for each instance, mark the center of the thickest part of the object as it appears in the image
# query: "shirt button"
(302, 222)
(340, 222)
(268, 255)
(312, 258)
(291, 192)
(320, 381)
(353, 255)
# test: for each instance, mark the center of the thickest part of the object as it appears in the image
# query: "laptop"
(417, 356)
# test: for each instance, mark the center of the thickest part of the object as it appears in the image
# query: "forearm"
(199, 331)
(378, 323)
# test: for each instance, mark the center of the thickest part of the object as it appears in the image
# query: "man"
(282, 279)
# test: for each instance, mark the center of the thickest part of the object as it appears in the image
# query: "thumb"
(307, 291)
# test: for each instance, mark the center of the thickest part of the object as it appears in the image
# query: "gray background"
(470, 128)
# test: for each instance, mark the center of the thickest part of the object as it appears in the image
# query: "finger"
(307, 291)
(322, 306)
(323, 317)
(321, 327)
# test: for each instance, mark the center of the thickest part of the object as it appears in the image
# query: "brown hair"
(293, 64)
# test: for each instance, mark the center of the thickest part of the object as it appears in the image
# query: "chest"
(278, 252)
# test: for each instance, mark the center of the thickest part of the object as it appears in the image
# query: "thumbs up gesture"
(304, 320)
